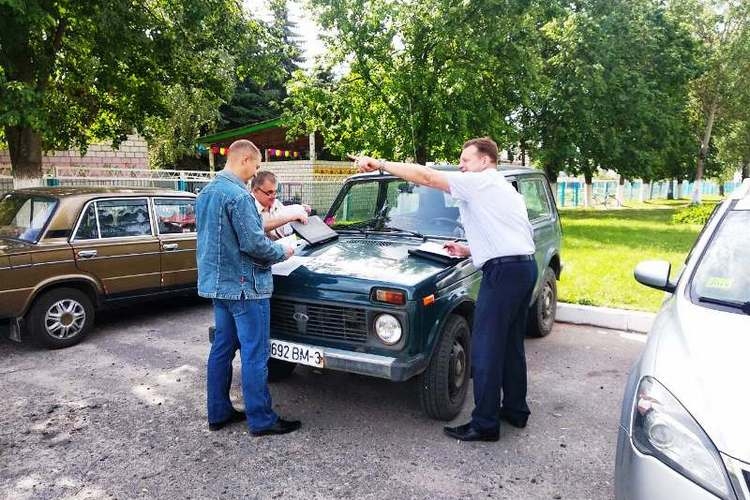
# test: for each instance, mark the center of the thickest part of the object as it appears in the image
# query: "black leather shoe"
(280, 427)
(513, 418)
(467, 433)
(237, 416)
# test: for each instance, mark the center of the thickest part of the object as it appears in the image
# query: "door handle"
(170, 246)
(87, 254)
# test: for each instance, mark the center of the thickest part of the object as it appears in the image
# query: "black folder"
(442, 259)
(315, 232)
(434, 251)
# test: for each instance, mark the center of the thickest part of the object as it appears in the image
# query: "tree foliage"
(722, 29)
(258, 96)
(417, 78)
(615, 89)
(72, 72)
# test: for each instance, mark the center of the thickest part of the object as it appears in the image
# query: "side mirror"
(655, 274)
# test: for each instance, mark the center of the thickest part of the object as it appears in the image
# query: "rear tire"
(542, 311)
(60, 318)
(443, 385)
(279, 370)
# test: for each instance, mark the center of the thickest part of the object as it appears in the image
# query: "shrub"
(694, 214)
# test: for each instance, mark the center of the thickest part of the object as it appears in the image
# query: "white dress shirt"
(493, 214)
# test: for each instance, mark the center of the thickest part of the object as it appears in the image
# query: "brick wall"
(133, 153)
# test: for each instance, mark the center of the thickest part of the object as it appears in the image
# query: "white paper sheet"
(436, 248)
(286, 267)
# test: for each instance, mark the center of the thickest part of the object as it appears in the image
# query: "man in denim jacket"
(234, 269)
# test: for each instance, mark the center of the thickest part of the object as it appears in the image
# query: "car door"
(543, 217)
(175, 225)
(115, 242)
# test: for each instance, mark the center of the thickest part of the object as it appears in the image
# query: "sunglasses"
(271, 192)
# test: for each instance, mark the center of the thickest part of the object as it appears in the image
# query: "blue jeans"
(244, 325)
(497, 352)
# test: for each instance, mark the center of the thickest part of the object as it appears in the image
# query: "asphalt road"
(122, 415)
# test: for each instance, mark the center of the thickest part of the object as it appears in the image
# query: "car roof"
(91, 192)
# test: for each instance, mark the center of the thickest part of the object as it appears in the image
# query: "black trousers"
(497, 352)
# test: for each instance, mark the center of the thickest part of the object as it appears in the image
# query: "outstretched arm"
(418, 174)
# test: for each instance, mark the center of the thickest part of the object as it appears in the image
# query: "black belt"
(509, 258)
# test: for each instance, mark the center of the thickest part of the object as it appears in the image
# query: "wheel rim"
(548, 304)
(65, 318)
(457, 373)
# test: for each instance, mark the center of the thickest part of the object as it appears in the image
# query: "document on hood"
(436, 248)
(435, 252)
(285, 268)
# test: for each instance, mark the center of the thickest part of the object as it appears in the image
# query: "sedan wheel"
(60, 318)
(65, 318)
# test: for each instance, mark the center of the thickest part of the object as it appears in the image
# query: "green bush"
(694, 214)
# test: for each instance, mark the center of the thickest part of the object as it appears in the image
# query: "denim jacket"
(234, 255)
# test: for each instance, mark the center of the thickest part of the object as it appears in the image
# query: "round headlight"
(388, 328)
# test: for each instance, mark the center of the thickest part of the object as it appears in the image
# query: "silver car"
(685, 425)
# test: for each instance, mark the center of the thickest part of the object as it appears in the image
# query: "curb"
(605, 317)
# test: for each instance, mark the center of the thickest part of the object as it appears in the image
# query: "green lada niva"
(365, 304)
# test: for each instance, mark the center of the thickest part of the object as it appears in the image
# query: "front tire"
(542, 311)
(60, 318)
(443, 385)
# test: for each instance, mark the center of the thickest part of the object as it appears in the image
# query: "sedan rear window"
(24, 217)
(722, 277)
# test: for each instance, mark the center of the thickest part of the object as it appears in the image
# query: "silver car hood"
(702, 356)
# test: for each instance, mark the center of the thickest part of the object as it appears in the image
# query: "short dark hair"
(485, 145)
(261, 177)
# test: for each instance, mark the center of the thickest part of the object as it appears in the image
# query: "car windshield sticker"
(718, 282)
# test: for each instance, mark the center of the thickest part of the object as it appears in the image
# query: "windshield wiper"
(407, 231)
(742, 306)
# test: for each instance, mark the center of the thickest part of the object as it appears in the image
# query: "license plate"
(297, 353)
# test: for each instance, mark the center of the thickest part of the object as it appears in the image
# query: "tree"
(419, 78)
(72, 72)
(722, 28)
(258, 97)
(614, 88)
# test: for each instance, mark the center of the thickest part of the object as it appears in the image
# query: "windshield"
(397, 205)
(23, 217)
(722, 274)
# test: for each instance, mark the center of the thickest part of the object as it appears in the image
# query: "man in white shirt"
(276, 216)
(501, 244)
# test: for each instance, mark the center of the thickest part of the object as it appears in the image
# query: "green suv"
(365, 304)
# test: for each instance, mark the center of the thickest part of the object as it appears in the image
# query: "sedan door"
(175, 223)
(114, 241)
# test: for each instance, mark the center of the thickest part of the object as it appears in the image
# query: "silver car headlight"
(388, 328)
(663, 428)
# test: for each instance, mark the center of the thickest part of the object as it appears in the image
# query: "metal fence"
(317, 183)
(571, 192)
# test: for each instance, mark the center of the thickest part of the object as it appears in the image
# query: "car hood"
(355, 264)
(701, 356)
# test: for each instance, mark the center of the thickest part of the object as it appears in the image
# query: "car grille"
(368, 243)
(317, 320)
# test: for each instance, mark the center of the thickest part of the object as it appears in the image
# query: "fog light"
(388, 328)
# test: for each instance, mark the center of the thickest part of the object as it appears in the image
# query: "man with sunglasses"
(276, 216)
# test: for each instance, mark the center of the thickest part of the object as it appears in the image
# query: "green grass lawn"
(602, 247)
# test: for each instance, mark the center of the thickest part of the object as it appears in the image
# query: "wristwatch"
(381, 166)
